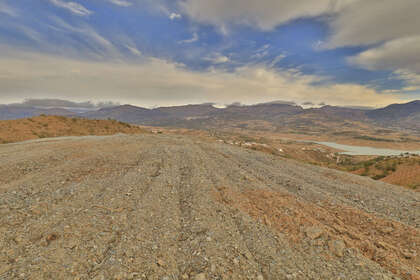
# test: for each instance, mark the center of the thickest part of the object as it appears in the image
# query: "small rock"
(4, 268)
(387, 230)
(51, 237)
(160, 263)
(415, 277)
(314, 232)
(337, 247)
(407, 254)
(200, 276)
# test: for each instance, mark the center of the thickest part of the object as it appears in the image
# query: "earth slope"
(175, 207)
(54, 126)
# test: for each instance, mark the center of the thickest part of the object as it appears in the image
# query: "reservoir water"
(363, 150)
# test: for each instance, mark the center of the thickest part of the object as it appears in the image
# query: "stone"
(4, 268)
(200, 276)
(314, 232)
(160, 263)
(337, 247)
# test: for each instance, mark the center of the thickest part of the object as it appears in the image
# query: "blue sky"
(161, 52)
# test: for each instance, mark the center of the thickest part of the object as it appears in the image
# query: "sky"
(172, 52)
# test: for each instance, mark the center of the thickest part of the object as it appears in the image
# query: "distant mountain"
(263, 111)
(277, 115)
(188, 111)
(405, 115)
(395, 111)
(12, 112)
(124, 113)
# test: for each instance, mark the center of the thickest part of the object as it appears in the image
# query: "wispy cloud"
(133, 50)
(174, 16)
(121, 3)
(73, 7)
(217, 58)
(5, 9)
(193, 39)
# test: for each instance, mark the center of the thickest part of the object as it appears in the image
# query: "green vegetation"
(369, 138)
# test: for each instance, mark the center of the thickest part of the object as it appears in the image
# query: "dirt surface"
(54, 126)
(176, 207)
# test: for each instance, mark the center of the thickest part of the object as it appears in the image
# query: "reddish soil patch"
(391, 244)
(406, 175)
(55, 126)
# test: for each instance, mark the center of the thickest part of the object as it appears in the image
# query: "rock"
(387, 230)
(415, 276)
(200, 276)
(51, 237)
(260, 277)
(160, 263)
(4, 268)
(314, 232)
(337, 247)
(407, 254)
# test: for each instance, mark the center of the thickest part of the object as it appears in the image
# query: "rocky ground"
(174, 207)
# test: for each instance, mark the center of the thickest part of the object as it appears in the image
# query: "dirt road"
(173, 207)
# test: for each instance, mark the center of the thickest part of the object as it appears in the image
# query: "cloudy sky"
(169, 52)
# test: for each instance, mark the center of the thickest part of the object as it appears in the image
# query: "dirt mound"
(175, 207)
(55, 126)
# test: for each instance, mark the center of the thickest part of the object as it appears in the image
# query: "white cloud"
(133, 50)
(393, 25)
(264, 14)
(401, 53)
(73, 7)
(156, 81)
(217, 58)
(193, 39)
(174, 16)
(122, 3)
(374, 21)
(6, 9)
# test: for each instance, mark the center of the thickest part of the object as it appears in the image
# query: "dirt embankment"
(55, 126)
(175, 207)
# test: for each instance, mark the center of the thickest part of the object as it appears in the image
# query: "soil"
(179, 207)
(54, 126)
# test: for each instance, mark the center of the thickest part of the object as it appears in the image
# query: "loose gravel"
(176, 207)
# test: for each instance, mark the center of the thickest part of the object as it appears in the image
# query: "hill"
(398, 115)
(272, 116)
(176, 207)
(54, 126)
(12, 112)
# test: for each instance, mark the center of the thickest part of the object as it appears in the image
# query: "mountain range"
(274, 114)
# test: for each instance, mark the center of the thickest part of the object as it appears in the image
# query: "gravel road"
(175, 207)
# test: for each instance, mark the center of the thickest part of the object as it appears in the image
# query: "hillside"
(176, 207)
(398, 115)
(54, 126)
(276, 116)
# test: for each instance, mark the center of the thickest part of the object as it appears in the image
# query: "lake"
(364, 151)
